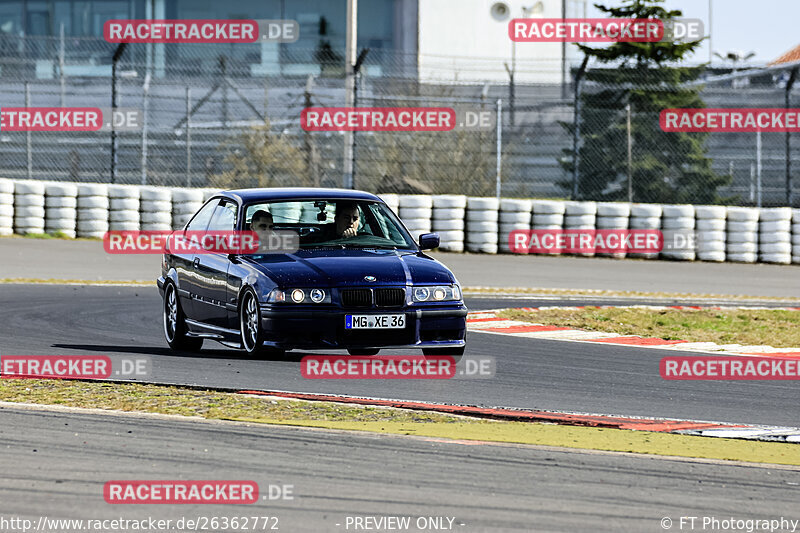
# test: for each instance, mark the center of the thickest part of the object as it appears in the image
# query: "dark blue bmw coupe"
(356, 280)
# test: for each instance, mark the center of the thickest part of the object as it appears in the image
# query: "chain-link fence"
(225, 117)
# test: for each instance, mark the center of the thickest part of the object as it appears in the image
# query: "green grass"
(779, 328)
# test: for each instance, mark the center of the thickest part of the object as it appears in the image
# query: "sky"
(767, 27)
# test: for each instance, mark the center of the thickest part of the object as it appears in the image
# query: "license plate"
(374, 321)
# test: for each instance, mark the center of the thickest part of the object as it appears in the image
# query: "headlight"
(437, 293)
(318, 296)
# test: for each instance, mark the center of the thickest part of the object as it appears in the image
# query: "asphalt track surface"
(341, 474)
(64, 259)
(531, 373)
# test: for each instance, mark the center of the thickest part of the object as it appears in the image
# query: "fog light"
(317, 295)
(298, 296)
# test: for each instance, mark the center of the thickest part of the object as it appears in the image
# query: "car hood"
(341, 268)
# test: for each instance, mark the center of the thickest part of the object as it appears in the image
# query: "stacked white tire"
(581, 216)
(123, 208)
(645, 216)
(741, 233)
(6, 207)
(678, 225)
(60, 209)
(185, 203)
(155, 209)
(28, 207)
(448, 221)
(613, 216)
(775, 235)
(548, 215)
(796, 236)
(482, 227)
(208, 193)
(710, 226)
(514, 215)
(416, 211)
(392, 200)
(92, 215)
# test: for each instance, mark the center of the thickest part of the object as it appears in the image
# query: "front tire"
(175, 330)
(251, 333)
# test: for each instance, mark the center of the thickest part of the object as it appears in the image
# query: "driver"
(347, 219)
(262, 224)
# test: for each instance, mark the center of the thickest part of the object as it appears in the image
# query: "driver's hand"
(349, 232)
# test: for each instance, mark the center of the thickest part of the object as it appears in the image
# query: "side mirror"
(428, 241)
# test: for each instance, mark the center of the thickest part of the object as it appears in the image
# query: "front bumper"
(318, 328)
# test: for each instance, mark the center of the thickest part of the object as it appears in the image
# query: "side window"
(201, 219)
(224, 217)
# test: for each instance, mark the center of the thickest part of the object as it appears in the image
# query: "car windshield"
(323, 223)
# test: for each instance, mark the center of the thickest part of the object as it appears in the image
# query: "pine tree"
(667, 167)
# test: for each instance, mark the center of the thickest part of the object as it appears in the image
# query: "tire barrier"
(796, 236)
(448, 221)
(475, 224)
(93, 205)
(155, 208)
(29, 207)
(710, 222)
(612, 215)
(774, 235)
(6, 207)
(185, 203)
(60, 209)
(548, 214)
(416, 211)
(483, 214)
(580, 215)
(514, 215)
(741, 234)
(677, 221)
(123, 208)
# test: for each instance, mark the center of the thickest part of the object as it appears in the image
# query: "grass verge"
(258, 409)
(773, 327)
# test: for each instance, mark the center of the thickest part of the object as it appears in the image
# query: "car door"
(183, 261)
(211, 271)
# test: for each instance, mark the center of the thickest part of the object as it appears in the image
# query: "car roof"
(297, 193)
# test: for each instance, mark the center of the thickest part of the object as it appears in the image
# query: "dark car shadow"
(168, 352)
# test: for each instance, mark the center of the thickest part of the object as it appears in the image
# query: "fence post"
(145, 108)
(188, 137)
(499, 147)
(630, 152)
(758, 168)
(28, 149)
